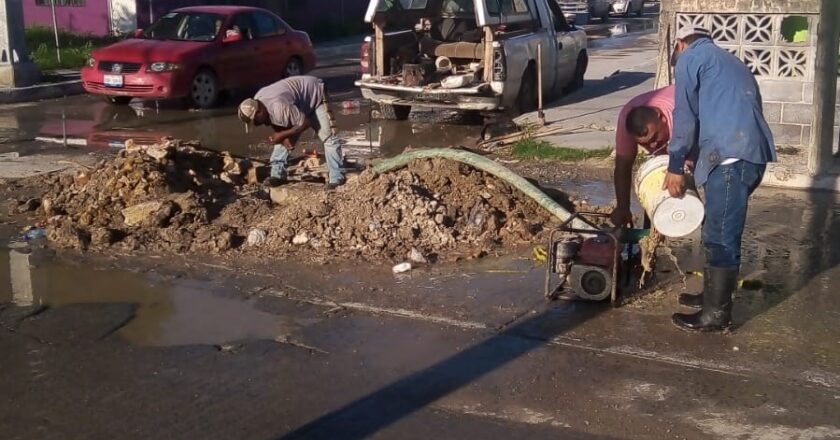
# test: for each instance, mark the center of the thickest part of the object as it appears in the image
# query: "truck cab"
(480, 55)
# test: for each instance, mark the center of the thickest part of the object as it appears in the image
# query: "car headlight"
(91, 62)
(163, 67)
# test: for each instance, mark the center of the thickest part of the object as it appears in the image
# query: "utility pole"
(55, 32)
(825, 88)
(16, 69)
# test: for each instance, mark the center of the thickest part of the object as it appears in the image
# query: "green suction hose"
(488, 166)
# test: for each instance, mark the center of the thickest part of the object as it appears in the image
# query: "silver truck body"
(495, 54)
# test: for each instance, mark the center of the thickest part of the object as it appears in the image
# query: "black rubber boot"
(695, 300)
(716, 314)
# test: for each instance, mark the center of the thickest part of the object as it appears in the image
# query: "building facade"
(322, 19)
(776, 39)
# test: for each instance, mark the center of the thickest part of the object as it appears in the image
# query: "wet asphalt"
(101, 346)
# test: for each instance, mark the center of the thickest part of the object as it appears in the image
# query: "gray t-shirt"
(291, 100)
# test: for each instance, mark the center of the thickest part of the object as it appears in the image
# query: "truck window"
(405, 5)
(557, 16)
(507, 7)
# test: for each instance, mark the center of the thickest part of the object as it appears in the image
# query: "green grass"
(539, 149)
(75, 48)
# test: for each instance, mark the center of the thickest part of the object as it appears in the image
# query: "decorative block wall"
(783, 66)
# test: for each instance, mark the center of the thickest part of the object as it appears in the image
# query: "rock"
(257, 174)
(301, 238)
(231, 165)
(402, 268)
(81, 178)
(159, 152)
(416, 256)
(256, 237)
(137, 214)
(29, 206)
(131, 146)
(104, 236)
(311, 163)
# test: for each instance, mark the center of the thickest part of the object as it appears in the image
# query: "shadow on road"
(382, 408)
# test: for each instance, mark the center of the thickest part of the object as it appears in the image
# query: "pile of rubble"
(177, 198)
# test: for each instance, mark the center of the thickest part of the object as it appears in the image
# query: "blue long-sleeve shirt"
(718, 112)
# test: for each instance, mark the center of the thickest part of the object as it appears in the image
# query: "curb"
(333, 51)
(780, 176)
(41, 91)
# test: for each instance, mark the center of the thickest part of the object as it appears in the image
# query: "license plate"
(114, 80)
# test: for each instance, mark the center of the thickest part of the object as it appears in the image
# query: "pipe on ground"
(489, 166)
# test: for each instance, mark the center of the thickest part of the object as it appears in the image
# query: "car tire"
(293, 68)
(394, 112)
(117, 100)
(580, 72)
(526, 99)
(204, 89)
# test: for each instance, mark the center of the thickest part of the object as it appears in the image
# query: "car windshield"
(186, 26)
(406, 5)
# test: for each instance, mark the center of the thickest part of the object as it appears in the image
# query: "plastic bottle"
(34, 234)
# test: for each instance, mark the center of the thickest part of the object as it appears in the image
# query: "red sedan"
(196, 53)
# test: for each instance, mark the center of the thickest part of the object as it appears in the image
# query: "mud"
(175, 198)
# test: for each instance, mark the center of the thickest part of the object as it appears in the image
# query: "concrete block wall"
(753, 31)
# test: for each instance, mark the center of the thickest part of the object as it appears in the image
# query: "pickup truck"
(471, 55)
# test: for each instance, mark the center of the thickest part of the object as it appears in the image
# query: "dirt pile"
(174, 198)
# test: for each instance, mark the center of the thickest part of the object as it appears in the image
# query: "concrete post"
(825, 88)
(16, 70)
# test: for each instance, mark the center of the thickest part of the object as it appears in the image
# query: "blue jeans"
(323, 125)
(728, 190)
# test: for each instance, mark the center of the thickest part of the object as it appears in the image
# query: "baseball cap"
(689, 30)
(247, 109)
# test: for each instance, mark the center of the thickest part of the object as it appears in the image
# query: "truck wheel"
(526, 101)
(395, 112)
(641, 9)
(605, 17)
(117, 100)
(580, 72)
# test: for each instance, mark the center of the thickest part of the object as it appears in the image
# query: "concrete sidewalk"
(619, 70)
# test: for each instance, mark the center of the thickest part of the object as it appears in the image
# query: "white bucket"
(671, 217)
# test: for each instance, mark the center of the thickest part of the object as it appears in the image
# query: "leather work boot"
(695, 300)
(716, 314)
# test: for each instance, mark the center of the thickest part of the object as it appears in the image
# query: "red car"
(196, 53)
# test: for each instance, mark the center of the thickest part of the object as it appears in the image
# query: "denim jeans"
(323, 125)
(728, 190)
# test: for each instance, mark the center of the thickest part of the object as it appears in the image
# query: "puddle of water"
(168, 312)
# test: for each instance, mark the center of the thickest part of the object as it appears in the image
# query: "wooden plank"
(488, 54)
(379, 49)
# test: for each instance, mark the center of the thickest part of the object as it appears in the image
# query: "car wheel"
(293, 68)
(394, 112)
(526, 100)
(117, 100)
(204, 89)
(580, 72)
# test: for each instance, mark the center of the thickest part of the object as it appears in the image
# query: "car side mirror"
(138, 33)
(571, 19)
(232, 37)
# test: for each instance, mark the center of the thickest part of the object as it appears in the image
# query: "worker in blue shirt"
(718, 115)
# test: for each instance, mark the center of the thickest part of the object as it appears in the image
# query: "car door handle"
(559, 45)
